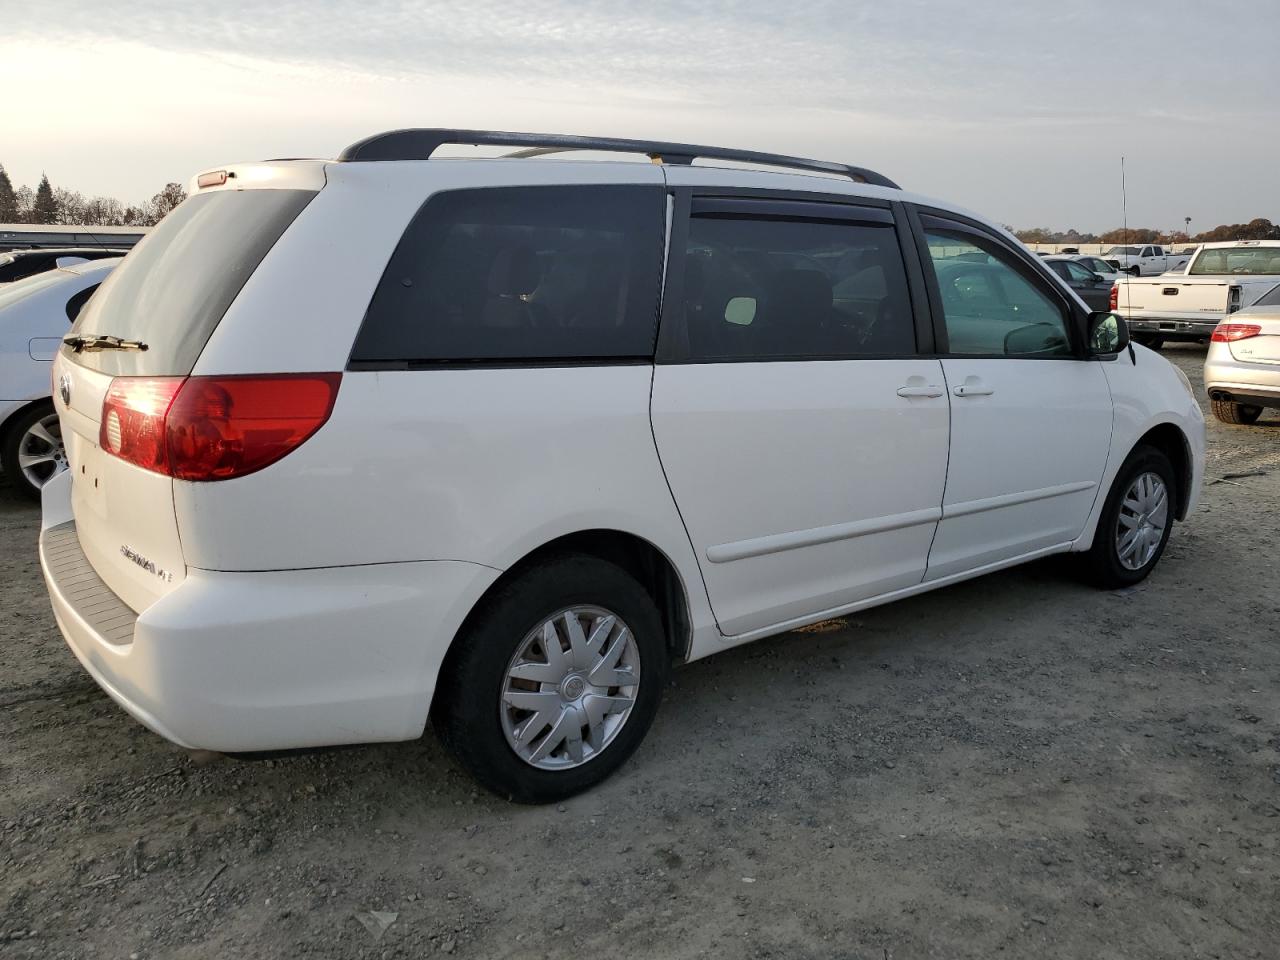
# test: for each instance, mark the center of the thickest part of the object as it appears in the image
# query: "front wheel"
(1228, 411)
(1134, 271)
(1136, 521)
(555, 681)
(33, 452)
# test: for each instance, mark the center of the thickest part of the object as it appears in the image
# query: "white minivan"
(358, 443)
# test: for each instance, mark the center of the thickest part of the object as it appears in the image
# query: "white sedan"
(1242, 367)
(35, 314)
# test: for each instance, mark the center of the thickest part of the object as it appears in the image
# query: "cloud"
(962, 98)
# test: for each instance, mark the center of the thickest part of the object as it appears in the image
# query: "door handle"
(973, 389)
(929, 390)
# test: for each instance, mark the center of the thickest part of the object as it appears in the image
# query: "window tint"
(172, 289)
(1060, 268)
(1256, 261)
(522, 273)
(1269, 299)
(990, 308)
(765, 288)
(1079, 272)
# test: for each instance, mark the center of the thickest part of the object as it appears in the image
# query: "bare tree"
(164, 201)
(70, 205)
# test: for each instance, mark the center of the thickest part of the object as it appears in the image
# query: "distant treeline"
(49, 204)
(1259, 229)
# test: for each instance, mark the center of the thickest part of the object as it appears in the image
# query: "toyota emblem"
(64, 389)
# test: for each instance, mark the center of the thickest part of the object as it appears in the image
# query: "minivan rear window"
(509, 274)
(172, 289)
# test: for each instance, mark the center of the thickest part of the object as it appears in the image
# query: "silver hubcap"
(41, 455)
(570, 688)
(1144, 513)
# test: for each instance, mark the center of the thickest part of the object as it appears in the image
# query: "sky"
(1019, 110)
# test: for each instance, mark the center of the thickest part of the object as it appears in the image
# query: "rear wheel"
(1228, 411)
(33, 453)
(1136, 521)
(556, 681)
(1150, 341)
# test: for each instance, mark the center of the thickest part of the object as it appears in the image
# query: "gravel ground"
(1015, 766)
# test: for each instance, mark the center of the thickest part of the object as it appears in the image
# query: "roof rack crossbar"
(420, 144)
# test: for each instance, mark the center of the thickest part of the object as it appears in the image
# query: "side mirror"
(1106, 334)
(1097, 278)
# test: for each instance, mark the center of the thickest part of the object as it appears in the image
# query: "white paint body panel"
(294, 658)
(314, 601)
(117, 506)
(1250, 366)
(804, 485)
(1025, 460)
(31, 330)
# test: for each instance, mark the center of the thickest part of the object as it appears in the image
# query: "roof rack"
(420, 144)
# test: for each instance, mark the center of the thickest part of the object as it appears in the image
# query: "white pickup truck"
(1220, 279)
(1145, 261)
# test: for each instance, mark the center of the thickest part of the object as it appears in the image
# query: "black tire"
(1228, 411)
(17, 429)
(1148, 340)
(467, 706)
(1134, 271)
(1102, 563)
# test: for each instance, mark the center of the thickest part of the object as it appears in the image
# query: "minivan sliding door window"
(775, 288)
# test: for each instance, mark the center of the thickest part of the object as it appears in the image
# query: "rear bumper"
(1226, 378)
(271, 660)
(1171, 329)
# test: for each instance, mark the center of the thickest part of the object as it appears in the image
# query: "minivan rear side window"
(541, 273)
(172, 289)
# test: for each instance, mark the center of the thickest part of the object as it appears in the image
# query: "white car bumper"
(239, 662)
(1226, 378)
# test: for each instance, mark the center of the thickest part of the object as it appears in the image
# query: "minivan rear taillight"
(213, 428)
(1229, 332)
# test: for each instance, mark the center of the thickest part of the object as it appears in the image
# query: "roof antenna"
(1124, 212)
(1124, 203)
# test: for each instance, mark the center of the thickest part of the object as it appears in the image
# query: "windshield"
(1122, 252)
(21, 289)
(173, 288)
(1240, 261)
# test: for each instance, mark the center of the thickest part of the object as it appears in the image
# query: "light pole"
(1187, 221)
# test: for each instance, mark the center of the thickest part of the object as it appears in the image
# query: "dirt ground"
(1017, 766)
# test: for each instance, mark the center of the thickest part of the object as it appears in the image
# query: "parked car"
(1222, 279)
(35, 313)
(1099, 266)
(1092, 288)
(556, 426)
(1242, 367)
(1145, 261)
(17, 264)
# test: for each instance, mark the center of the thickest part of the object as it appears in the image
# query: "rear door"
(1030, 419)
(802, 433)
(169, 294)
